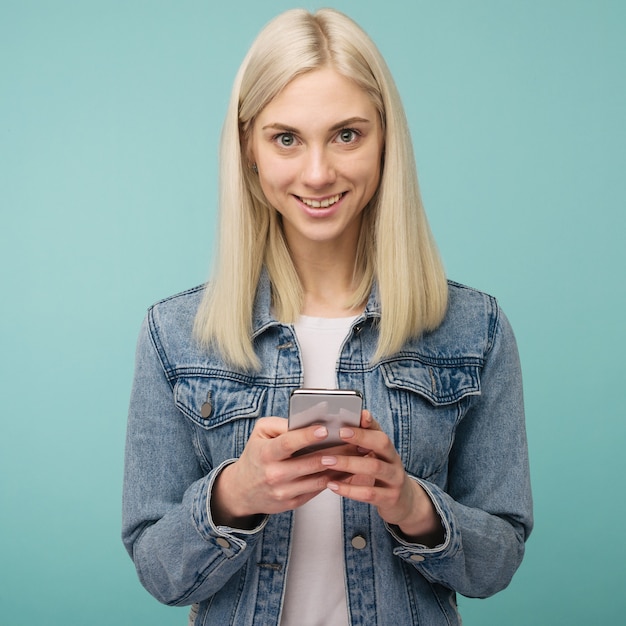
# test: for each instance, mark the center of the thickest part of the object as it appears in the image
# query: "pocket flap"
(439, 383)
(211, 402)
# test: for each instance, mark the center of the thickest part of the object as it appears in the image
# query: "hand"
(266, 478)
(378, 477)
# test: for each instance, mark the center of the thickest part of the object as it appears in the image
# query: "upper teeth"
(326, 202)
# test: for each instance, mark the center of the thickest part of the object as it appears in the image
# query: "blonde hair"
(395, 246)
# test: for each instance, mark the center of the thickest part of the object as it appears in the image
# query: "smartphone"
(332, 407)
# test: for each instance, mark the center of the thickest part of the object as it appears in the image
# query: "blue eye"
(286, 140)
(347, 135)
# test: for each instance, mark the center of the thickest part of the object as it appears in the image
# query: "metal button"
(417, 558)
(223, 542)
(206, 409)
(358, 542)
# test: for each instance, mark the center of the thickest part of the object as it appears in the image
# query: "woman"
(327, 276)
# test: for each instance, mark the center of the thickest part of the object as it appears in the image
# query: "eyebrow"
(343, 124)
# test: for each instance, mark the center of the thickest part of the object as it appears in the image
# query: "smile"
(323, 204)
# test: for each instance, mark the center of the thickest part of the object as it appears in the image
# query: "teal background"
(110, 113)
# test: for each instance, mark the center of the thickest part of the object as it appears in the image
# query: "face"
(317, 147)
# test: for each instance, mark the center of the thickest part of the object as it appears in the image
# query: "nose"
(318, 170)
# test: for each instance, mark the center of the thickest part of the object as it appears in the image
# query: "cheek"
(275, 177)
(367, 172)
(274, 189)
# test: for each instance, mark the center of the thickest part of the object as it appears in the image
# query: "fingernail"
(329, 460)
(333, 486)
(321, 432)
(346, 433)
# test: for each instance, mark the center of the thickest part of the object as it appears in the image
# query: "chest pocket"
(427, 401)
(222, 414)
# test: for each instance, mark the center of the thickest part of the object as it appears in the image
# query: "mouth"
(321, 204)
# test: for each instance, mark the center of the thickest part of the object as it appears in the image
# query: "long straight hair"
(395, 248)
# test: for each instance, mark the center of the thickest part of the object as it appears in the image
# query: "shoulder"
(176, 312)
(170, 325)
(470, 308)
(469, 327)
(178, 309)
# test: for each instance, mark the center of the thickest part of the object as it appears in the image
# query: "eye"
(285, 140)
(347, 135)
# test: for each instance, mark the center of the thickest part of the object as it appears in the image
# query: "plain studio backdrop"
(110, 115)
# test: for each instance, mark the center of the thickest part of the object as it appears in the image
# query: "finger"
(359, 492)
(294, 441)
(370, 439)
(306, 487)
(371, 467)
(270, 427)
(367, 421)
(351, 479)
(364, 489)
(286, 500)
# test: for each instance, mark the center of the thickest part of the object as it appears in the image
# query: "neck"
(328, 280)
(329, 299)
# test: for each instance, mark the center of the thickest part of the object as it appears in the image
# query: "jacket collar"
(263, 317)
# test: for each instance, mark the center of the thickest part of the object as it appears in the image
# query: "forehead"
(318, 98)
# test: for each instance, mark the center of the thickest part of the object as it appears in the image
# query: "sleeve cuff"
(204, 520)
(416, 552)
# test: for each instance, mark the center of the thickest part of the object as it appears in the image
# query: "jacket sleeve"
(486, 507)
(180, 555)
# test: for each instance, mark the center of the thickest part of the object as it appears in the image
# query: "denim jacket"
(451, 401)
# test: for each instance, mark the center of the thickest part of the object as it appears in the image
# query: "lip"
(321, 210)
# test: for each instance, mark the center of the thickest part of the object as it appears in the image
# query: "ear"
(246, 140)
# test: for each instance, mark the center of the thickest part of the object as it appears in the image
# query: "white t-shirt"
(315, 594)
